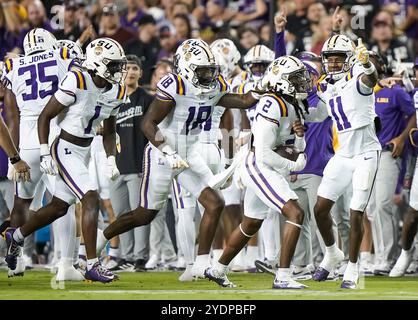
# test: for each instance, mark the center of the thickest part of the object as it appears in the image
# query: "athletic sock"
(352, 272)
(220, 268)
(91, 262)
(114, 252)
(283, 274)
(18, 236)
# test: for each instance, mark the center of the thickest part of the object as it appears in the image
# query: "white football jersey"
(351, 106)
(276, 110)
(213, 134)
(87, 105)
(192, 113)
(34, 79)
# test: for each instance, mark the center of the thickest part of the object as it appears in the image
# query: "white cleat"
(187, 276)
(198, 271)
(19, 271)
(329, 263)
(301, 273)
(152, 263)
(287, 284)
(400, 266)
(68, 273)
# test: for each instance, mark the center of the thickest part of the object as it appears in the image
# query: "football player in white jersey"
(348, 93)
(30, 82)
(181, 110)
(83, 100)
(226, 56)
(263, 171)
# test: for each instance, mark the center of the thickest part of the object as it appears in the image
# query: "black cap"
(131, 58)
(146, 19)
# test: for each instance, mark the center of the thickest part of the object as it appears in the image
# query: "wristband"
(44, 149)
(370, 70)
(16, 158)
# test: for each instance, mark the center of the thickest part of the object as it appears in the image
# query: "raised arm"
(370, 77)
(280, 24)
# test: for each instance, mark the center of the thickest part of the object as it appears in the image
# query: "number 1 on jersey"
(97, 110)
(345, 123)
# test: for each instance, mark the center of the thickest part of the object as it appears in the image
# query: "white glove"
(112, 171)
(12, 173)
(174, 160)
(299, 164)
(47, 165)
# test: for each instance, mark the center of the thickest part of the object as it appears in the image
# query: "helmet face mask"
(206, 75)
(116, 68)
(258, 68)
(287, 75)
(335, 62)
(257, 60)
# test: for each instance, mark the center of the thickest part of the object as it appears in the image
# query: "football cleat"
(328, 263)
(400, 266)
(320, 274)
(187, 274)
(13, 248)
(68, 273)
(266, 266)
(287, 284)
(19, 271)
(100, 274)
(347, 284)
(301, 273)
(222, 280)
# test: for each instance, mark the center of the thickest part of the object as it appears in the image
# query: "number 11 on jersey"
(341, 119)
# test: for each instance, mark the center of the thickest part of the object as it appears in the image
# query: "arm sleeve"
(265, 133)
(67, 89)
(279, 45)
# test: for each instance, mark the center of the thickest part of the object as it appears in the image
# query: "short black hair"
(131, 58)
(146, 19)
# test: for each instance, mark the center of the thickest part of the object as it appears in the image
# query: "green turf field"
(164, 285)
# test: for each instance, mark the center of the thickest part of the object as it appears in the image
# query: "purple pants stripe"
(180, 197)
(146, 169)
(64, 173)
(258, 185)
(267, 184)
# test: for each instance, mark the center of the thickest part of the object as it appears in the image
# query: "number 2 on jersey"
(35, 72)
(345, 123)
